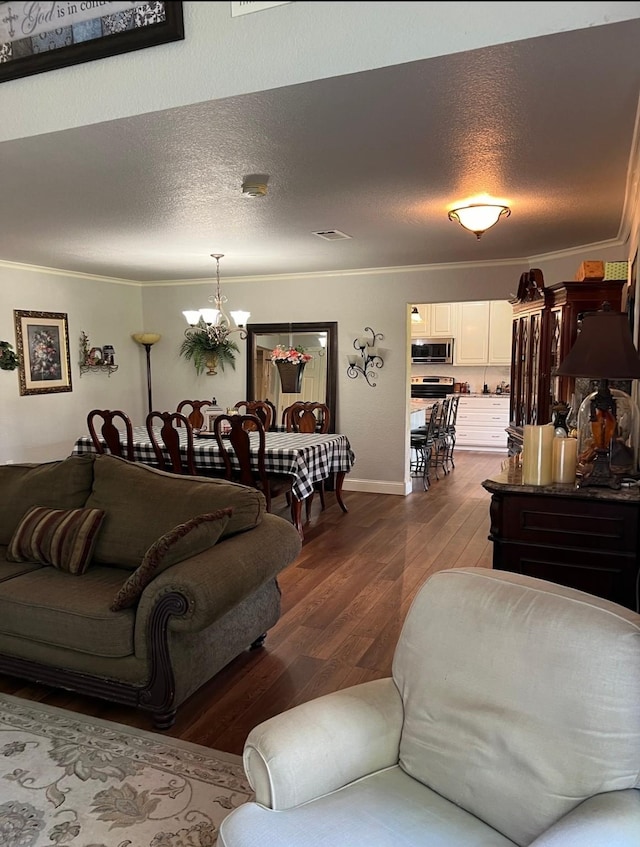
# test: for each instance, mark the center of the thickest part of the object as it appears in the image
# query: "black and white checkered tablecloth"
(307, 457)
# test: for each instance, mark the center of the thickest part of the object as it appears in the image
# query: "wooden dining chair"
(169, 442)
(306, 416)
(309, 417)
(110, 434)
(258, 408)
(234, 431)
(195, 416)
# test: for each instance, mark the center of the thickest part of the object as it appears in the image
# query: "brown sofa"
(207, 600)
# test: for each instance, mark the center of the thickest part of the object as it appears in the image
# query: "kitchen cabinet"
(483, 333)
(584, 538)
(500, 321)
(471, 346)
(436, 321)
(482, 422)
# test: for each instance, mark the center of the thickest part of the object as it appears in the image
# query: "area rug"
(66, 779)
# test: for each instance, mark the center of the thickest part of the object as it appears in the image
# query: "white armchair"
(512, 718)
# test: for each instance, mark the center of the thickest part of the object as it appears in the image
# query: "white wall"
(42, 427)
(223, 56)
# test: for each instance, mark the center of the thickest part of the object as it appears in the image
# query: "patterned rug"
(67, 780)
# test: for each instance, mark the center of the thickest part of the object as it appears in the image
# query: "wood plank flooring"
(343, 603)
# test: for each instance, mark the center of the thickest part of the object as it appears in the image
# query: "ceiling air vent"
(332, 235)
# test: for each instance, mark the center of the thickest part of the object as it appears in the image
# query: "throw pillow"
(64, 538)
(185, 540)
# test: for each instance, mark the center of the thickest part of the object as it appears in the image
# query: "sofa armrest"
(324, 744)
(611, 819)
(216, 580)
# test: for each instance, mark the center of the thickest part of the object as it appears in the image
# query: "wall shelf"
(108, 369)
(96, 359)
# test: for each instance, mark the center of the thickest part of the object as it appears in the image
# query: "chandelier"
(216, 323)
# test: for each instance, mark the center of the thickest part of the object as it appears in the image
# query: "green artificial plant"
(201, 342)
(8, 359)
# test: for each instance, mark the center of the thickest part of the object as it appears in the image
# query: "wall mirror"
(319, 377)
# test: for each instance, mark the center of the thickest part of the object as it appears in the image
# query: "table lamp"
(603, 350)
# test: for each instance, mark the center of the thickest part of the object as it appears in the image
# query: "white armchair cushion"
(322, 745)
(388, 809)
(608, 819)
(522, 698)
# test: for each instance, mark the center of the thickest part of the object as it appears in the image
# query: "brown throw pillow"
(185, 540)
(64, 538)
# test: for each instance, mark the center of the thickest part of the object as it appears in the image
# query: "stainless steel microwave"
(432, 351)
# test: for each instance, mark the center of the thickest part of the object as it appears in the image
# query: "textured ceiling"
(546, 125)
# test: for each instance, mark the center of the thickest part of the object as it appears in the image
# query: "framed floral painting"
(42, 342)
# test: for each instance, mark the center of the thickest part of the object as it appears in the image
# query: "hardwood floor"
(343, 604)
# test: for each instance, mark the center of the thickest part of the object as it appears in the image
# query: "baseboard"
(374, 486)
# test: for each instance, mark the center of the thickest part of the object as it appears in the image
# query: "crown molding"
(20, 266)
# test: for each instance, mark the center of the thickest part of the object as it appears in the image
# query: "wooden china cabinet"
(544, 329)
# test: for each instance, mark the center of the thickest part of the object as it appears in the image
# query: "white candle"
(537, 455)
(565, 454)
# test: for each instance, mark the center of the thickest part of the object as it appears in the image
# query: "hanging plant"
(8, 359)
(207, 348)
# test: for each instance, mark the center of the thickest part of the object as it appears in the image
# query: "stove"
(425, 387)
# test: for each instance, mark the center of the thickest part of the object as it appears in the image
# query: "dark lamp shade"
(603, 349)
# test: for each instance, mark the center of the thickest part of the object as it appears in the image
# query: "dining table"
(308, 458)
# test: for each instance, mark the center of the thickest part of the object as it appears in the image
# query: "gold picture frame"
(42, 343)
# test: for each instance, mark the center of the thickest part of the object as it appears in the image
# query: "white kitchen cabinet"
(500, 328)
(482, 422)
(436, 321)
(471, 345)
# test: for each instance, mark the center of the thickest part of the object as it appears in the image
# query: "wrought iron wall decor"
(368, 357)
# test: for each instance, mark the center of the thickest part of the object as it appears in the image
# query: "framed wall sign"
(38, 36)
(42, 342)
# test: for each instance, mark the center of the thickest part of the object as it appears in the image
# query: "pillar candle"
(565, 455)
(537, 455)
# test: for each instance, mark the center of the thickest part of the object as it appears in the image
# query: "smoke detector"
(254, 189)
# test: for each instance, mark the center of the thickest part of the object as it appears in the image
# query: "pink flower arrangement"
(295, 355)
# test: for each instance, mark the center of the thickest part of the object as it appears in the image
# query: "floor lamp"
(147, 340)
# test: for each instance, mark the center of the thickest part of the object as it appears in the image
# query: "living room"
(350, 589)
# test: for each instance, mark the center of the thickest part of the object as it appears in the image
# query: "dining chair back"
(307, 417)
(236, 436)
(195, 416)
(258, 408)
(165, 438)
(111, 435)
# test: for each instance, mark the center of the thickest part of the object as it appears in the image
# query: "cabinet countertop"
(509, 480)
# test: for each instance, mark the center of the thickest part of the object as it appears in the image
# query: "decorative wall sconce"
(368, 357)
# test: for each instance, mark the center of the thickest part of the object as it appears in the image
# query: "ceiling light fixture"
(479, 217)
(215, 322)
